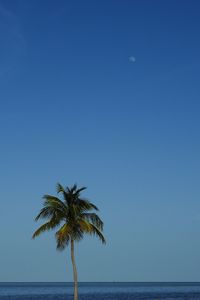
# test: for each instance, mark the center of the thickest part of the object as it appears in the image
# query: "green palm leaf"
(45, 227)
(94, 219)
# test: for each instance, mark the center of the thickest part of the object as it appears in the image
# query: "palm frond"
(91, 229)
(45, 213)
(59, 188)
(65, 192)
(91, 205)
(94, 219)
(85, 226)
(56, 203)
(63, 236)
(80, 190)
(85, 205)
(98, 233)
(47, 226)
(73, 188)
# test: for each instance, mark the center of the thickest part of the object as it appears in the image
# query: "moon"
(132, 59)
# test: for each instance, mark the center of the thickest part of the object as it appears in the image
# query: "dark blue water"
(100, 291)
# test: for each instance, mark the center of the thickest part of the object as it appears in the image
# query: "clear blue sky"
(76, 108)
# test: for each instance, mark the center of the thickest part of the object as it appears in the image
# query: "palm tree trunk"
(74, 271)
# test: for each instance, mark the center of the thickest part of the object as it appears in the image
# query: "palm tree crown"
(73, 213)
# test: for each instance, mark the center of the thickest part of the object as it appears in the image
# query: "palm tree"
(76, 217)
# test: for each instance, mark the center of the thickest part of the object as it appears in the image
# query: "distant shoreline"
(101, 282)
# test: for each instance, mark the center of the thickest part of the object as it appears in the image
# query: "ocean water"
(100, 291)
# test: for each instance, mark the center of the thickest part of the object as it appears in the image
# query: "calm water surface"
(100, 291)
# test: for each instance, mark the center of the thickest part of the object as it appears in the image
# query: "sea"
(100, 291)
